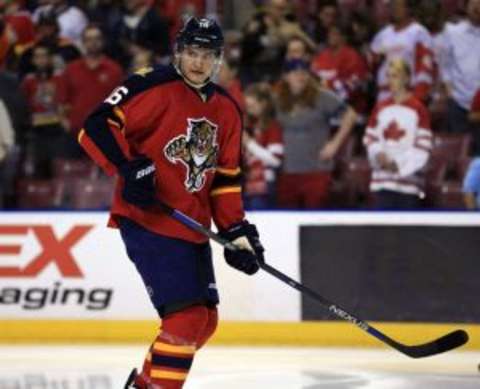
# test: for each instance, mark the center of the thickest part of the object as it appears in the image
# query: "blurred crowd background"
(347, 104)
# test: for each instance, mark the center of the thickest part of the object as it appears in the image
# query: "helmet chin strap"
(215, 70)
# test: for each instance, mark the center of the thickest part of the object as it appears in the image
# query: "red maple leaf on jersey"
(393, 131)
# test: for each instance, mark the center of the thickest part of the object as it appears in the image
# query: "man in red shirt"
(90, 79)
(174, 136)
(342, 69)
(20, 21)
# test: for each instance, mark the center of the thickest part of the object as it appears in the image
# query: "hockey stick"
(445, 343)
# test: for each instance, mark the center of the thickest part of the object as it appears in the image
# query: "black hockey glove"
(245, 236)
(139, 186)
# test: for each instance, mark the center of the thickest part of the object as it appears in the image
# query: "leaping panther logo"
(197, 151)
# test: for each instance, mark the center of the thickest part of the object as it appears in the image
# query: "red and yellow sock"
(171, 355)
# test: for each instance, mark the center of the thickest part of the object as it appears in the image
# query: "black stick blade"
(445, 343)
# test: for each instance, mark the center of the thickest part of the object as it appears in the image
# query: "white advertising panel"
(62, 265)
(69, 265)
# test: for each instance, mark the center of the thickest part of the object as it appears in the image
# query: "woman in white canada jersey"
(398, 139)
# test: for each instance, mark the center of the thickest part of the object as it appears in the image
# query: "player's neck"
(197, 87)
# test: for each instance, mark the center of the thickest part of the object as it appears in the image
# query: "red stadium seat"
(74, 168)
(34, 193)
(344, 154)
(450, 196)
(451, 147)
(93, 194)
(357, 182)
(341, 159)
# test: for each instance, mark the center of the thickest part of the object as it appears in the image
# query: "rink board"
(229, 333)
(64, 276)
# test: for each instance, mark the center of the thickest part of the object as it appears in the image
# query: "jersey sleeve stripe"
(119, 113)
(225, 190)
(228, 172)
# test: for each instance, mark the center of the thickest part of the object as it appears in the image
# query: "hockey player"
(172, 135)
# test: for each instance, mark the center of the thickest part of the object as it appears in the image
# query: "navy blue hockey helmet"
(201, 32)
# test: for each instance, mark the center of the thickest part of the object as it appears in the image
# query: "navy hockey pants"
(176, 273)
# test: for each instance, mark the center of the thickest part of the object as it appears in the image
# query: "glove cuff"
(237, 230)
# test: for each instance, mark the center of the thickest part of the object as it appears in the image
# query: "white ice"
(106, 367)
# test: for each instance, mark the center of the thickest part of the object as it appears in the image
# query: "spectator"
(140, 27)
(44, 91)
(16, 105)
(71, 20)
(7, 37)
(431, 15)
(263, 148)
(305, 112)
(265, 37)
(327, 16)
(299, 48)
(471, 185)
(107, 14)
(398, 139)
(47, 33)
(410, 41)
(21, 23)
(227, 78)
(363, 30)
(343, 70)
(261, 50)
(90, 79)
(6, 143)
(178, 11)
(461, 68)
(143, 59)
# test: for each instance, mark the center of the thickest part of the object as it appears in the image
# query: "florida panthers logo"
(197, 151)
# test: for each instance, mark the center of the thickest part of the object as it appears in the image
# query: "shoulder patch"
(144, 71)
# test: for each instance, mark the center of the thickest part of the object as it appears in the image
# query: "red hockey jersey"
(345, 72)
(194, 143)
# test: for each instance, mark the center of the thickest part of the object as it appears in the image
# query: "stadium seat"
(461, 167)
(341, 159)
(35, 193)
(91, 193)
(435, 175)
(74, 168)
(344, 154)
(451, 147)
(449, 196)
(357, 181)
